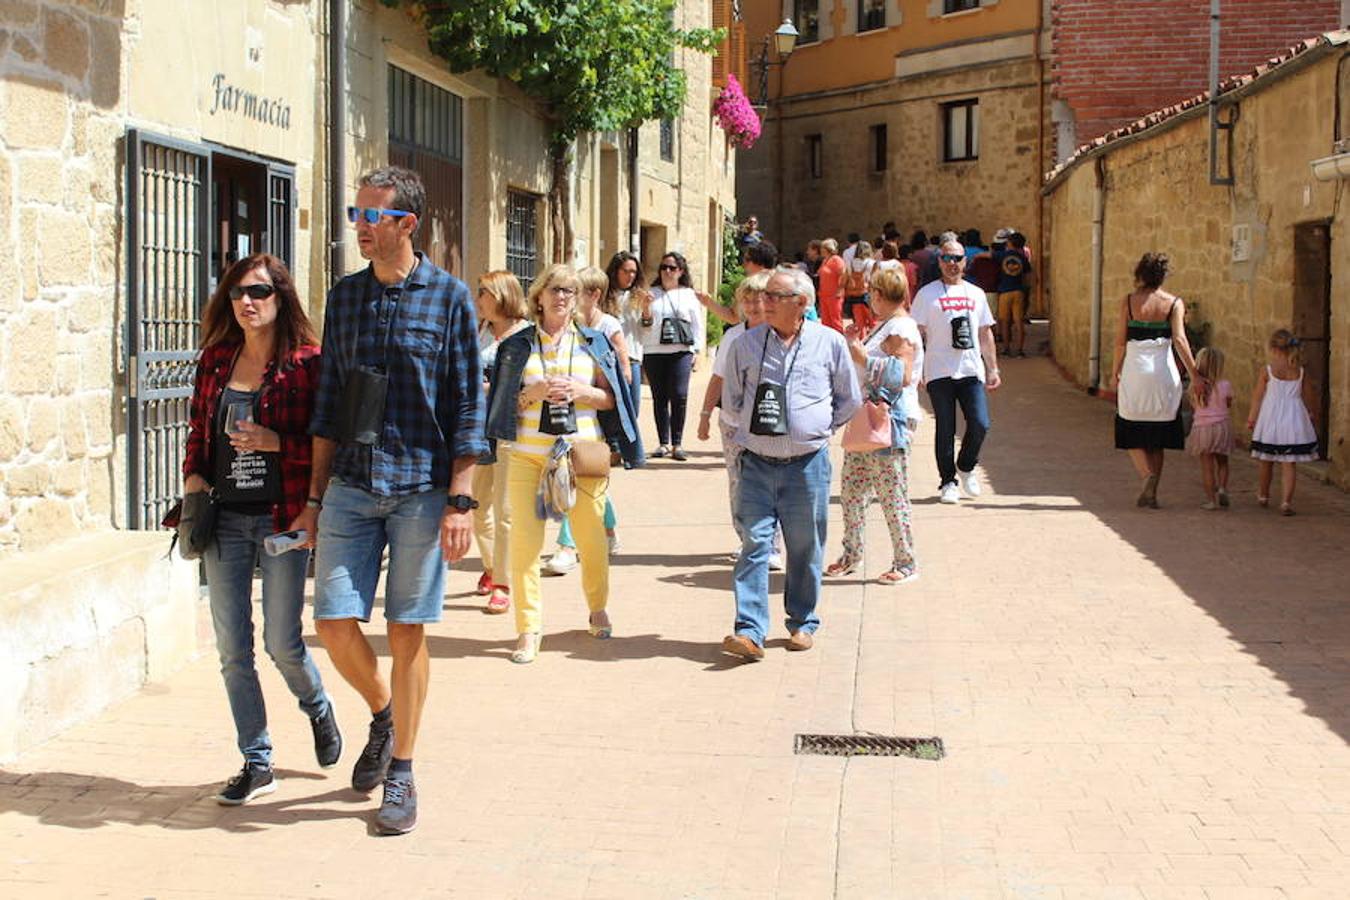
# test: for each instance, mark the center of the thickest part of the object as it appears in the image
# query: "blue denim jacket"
(886, 381)
(619, 424)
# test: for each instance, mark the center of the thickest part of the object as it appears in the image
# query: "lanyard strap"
(796, 352)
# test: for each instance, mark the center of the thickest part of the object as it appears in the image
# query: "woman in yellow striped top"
(561, 391)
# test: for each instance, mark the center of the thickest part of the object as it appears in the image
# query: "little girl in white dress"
(1280, 421)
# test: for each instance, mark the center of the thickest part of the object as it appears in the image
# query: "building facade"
(144, 146)
(1265, 252)
(930, 114)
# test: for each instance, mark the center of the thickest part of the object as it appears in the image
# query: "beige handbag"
(590, 459)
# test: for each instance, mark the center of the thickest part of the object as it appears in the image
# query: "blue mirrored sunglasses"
(372, 213)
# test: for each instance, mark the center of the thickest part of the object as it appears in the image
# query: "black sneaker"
(373, 762)
(327, 738)
(252, 781)
(398, 809)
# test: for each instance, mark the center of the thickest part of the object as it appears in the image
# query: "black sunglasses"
(951, 257)
(668, 267)
(255, 291)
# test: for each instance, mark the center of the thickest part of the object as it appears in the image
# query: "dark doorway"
(240, 212)
(1312, 316)
(252, 207)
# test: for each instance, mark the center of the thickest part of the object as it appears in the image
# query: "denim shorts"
(355, 526)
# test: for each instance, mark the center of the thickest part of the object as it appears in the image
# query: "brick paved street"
(1135, 704)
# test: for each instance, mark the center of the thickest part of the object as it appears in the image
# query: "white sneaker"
(969, 483)
(949, 493)
(614, 544)
(776, 562)
(561, 562)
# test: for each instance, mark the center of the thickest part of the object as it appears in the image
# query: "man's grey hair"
(801, 281)
(409, 193)
(948, 237)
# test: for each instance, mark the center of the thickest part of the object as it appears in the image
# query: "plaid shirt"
(285, 406)
(433, 411)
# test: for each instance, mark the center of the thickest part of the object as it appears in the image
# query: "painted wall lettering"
(266, 110)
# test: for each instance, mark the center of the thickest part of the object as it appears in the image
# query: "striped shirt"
(550, 358)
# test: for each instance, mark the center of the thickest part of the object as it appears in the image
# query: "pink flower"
(736, 116)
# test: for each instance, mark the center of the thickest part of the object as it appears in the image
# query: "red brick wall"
(1117, 60)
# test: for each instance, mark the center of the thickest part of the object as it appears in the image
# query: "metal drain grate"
(868, 745)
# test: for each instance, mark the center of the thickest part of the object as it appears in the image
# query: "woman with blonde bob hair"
(885, 356)
(748, 302)
(502, 312)
(555, 380)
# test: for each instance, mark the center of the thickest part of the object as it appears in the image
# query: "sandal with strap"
(500, 601)
(601, 631)
(528, 648)
(898, 575)
(841, 567)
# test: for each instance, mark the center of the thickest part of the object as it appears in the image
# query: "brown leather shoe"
(742, 646)
(800, 640)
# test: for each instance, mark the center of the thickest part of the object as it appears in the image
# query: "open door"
(1312, 316)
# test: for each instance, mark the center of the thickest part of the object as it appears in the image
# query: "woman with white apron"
(1150, 337)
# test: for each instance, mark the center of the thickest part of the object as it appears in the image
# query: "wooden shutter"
(722, 62)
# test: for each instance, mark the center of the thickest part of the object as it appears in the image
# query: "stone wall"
(1158, 197)
(59, 129)
(1109, 78)
(917, 189)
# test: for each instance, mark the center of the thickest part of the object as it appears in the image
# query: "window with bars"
(425, 116)
(871, 15)
(878, 143)
(961, 130)
(522, 247)
(953, 6)
(668, 140)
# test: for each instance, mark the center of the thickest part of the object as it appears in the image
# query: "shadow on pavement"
(1277, 585)
(71, 800)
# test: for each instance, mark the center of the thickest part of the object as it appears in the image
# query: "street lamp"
(784, 41)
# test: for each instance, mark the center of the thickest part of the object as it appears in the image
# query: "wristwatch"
(461, 502)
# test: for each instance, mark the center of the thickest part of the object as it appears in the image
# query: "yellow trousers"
(527, 540)
(492, 518)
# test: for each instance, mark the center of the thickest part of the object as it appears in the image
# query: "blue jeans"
(945, 394)
(354, 527)
(229, 578)
(796, 495)
(634, 389)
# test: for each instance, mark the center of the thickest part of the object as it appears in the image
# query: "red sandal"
(500, 601)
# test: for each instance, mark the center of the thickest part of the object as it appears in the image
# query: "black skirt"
(1150, 435)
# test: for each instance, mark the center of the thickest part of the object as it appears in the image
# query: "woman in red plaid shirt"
(249, 443)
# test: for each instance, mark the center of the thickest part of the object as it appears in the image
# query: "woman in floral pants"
(887, 366)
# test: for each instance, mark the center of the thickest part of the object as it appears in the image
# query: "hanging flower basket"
(736, 116)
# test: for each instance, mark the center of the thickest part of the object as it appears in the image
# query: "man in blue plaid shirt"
(399, 337)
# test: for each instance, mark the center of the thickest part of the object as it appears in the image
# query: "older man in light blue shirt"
(790, 383)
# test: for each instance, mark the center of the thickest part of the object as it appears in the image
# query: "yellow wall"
(843, 60)
(1158, 197)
